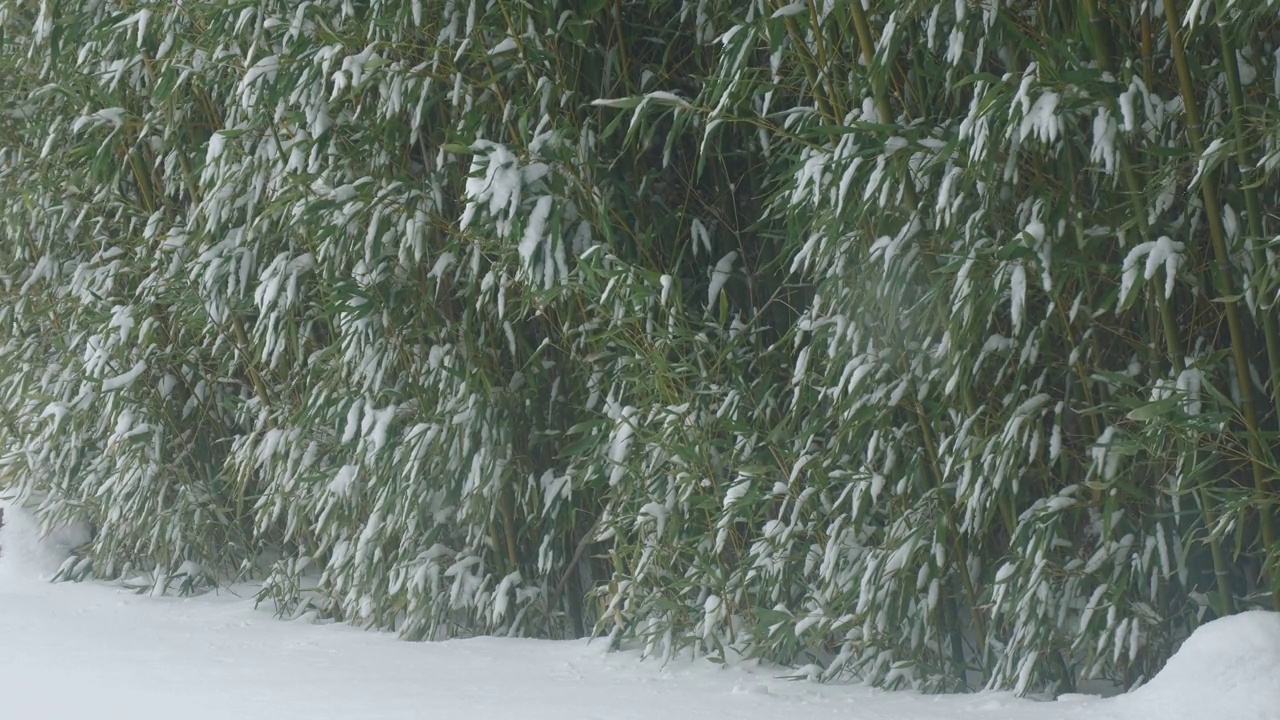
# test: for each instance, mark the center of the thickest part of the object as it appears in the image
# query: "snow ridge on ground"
(92, 651)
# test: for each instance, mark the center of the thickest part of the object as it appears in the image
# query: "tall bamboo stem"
(1222, 267)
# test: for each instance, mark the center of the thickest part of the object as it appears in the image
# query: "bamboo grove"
(928, 343)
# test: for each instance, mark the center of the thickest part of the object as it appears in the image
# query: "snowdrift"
(1228, 668)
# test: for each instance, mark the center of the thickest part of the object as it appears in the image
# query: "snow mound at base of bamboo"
(1228, 668)
(222, 647)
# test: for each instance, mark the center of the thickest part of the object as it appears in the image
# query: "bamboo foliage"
(928, 343)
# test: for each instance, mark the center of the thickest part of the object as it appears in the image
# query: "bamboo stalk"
(1221, 575)
(1169, 322)
(1253, 214)
(824, 104)
(1222, 267)
(970, 587)
(880, 92)
(1253, 211)
(587, 539)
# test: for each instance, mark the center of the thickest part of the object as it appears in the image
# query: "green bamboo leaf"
(1154, 410)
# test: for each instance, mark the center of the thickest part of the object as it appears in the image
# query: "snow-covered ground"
(93, 651)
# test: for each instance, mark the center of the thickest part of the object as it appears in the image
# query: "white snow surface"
(93, 651)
